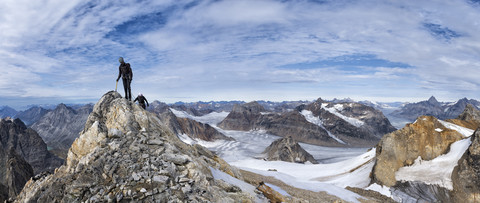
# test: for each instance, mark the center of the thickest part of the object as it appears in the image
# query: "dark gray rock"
(420, 192)
(17, 174)
(287, 149)
(470, 113)
(28, 144)
(466, 175)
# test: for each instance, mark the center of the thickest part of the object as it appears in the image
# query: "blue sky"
(67, 51)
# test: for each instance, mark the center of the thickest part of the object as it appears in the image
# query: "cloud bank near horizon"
(240, 50)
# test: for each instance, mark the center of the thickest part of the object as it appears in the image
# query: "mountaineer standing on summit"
(126, 73)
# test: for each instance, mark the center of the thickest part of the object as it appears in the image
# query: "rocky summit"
(126, 154)
(287, 149)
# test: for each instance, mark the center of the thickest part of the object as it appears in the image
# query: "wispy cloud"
(229, 49)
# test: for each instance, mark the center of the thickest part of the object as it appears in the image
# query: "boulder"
(287, 149)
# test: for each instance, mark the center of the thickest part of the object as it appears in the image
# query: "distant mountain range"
(61, 125)
(320, 123)
(432, 107)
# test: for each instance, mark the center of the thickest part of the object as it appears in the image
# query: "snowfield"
(338, 168)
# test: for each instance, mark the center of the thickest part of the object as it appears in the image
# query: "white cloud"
(70, 48)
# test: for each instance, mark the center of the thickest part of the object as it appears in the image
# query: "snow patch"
(384, 190)
(278, 189)
(220, 175)
(355, 122)
(338, 107)
(211, 118)
(462, 130)
(185, 138)
(438, 130)
(437, 171)
(315, 120)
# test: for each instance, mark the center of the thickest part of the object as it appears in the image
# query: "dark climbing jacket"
(141, 100)
(125, 71)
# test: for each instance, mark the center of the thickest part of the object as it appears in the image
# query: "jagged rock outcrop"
(61, 126)
(320, 123)
(287, 149)
(27, 144)
(31, 115)
(17, 174)
(22, 154)
(453, 111)
(469, 118)
(189, 127)
(426, 138)
(125, 153)
(466, 175)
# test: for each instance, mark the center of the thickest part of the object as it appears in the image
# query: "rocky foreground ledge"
(125, 154)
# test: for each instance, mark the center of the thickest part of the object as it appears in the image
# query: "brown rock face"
(287, 149)
(466, 175)
(402, 147)
(272, 195)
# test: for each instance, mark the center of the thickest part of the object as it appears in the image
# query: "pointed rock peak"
(319, 100)
(61, 106)
(433, 100)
